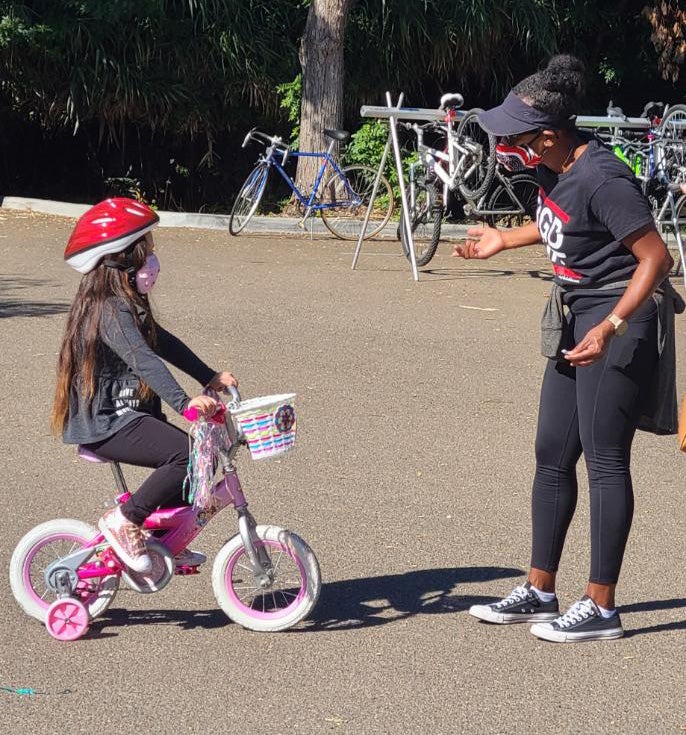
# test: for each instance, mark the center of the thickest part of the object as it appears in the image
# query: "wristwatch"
(618, 323)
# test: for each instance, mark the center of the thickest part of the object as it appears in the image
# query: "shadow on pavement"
(184, 619)
(359, 603)
(650, 605)
(11, 306)
(647, 606)
(344, 605)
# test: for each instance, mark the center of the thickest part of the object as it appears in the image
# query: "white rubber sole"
(484, 612)
(142, 565)
(557, 636)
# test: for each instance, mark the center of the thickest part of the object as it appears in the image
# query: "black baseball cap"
(514, 117)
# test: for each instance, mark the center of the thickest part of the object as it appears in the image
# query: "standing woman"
(611, 366)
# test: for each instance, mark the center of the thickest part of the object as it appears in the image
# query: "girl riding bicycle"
(111, 375)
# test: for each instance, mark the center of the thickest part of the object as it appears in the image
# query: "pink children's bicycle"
(266, 578)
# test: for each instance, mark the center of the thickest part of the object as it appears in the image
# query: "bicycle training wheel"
(515, 206)
(293, 592)
(426, 219)
(345, 199)
(248, 198)
(40, 547)
(478, 169)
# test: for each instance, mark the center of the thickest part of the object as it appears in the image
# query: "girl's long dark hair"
(81, 345)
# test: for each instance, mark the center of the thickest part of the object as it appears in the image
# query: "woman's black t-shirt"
(584, 214)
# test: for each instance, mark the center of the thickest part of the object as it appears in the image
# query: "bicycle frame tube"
(308, 201)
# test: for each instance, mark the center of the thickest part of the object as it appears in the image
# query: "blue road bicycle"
(340, 195)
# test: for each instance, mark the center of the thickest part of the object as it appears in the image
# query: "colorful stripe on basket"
(264, 438)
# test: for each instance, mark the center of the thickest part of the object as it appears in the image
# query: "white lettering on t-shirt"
(550, 226)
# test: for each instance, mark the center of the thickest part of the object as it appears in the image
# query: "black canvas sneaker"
(522, 605)
(582, 622)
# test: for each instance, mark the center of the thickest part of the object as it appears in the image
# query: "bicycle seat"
(90, 456)
(613, 111)
(453, 100)
(337, 134)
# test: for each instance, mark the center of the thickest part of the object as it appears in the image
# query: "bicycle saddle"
(613, 111)
(648, 109)
(453, 100)
(90, 456)
(337, 134)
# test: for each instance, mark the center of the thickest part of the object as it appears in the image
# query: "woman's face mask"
(147, 274)
(517, 157)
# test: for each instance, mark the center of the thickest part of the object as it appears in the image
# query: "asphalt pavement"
(411, 481)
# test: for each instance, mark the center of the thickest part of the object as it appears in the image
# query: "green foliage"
(367, 145)
(160, 92)
(290, 97)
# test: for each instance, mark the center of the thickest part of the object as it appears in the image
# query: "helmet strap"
(125, 267)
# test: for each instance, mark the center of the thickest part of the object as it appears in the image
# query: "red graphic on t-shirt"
(551, 219)
(567, 274)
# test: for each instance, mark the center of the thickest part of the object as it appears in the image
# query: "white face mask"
(147, 274)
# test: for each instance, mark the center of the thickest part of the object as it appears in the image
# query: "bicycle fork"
(259, 559)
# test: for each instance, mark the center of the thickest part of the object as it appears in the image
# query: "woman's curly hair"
(557, 89)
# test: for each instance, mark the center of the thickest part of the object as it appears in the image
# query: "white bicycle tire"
(70, 526)
(307, 559)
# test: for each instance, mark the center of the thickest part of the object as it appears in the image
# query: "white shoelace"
(577, 613)
(518, 594)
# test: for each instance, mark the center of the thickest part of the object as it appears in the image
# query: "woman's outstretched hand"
(481, 243)
(592, 347)
(221, 381)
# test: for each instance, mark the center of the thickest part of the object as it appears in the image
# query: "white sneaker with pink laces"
(126, 539)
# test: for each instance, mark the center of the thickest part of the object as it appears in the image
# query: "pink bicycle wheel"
(277, 601)
(39, 548)
(287, 594)
(67, 619)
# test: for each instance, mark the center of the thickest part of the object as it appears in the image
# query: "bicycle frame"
(310, 202)
(180, 526)
(673, 221)
(478, 208)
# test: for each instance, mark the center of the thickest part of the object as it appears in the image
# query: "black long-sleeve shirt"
(126, 360)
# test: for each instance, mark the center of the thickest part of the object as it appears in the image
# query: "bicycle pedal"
(184, 570)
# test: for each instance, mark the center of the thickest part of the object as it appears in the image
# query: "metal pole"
(403, 194)
(370, 206)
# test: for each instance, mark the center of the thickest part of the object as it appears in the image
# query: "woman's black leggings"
(149, 442)
(592, 410)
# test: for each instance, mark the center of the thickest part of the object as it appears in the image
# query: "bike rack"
(393, 114)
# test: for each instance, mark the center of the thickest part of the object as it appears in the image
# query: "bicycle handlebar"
(425, 126)
(258, 135)
(193, 414)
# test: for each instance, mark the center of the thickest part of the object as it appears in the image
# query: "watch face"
(618, 323)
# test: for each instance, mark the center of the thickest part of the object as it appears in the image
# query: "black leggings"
(149, 442)
(592, 410)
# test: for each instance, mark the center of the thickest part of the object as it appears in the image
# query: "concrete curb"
(258, 225)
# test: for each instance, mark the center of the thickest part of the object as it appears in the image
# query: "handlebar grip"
(235, 395)
(677, 188)
(194, 414)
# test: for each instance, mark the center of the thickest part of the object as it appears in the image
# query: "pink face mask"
(147, 274)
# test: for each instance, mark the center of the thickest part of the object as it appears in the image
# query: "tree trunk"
(321, 58)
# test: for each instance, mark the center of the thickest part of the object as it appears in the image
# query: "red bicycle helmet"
(106, 228)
